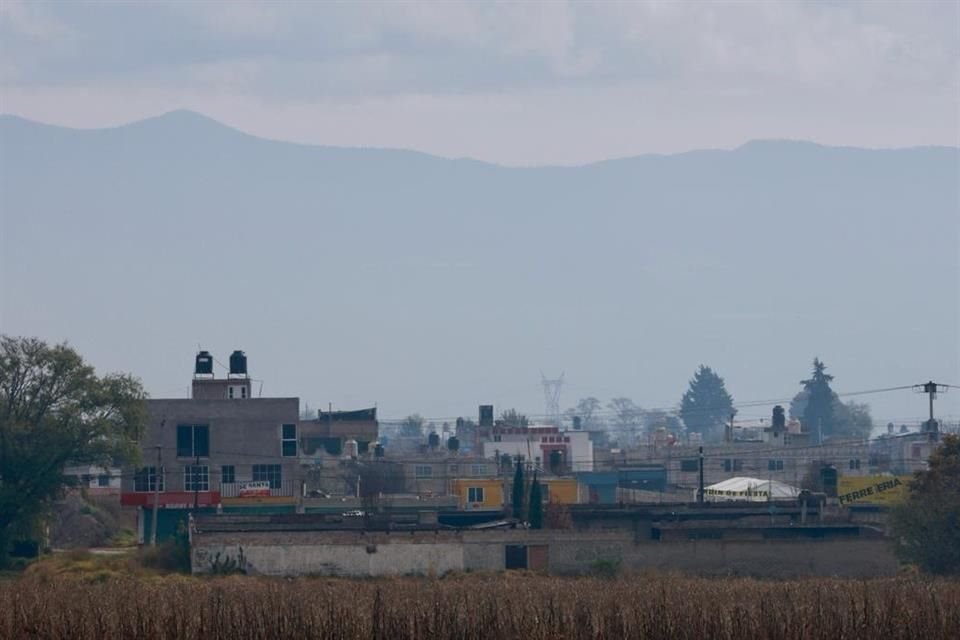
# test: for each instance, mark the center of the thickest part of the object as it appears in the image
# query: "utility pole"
(700, 486)
(931, 388)
(157, 475)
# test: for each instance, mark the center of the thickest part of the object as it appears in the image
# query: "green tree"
(927, 524)
(412, 426)
(536, 504)
(706, 406)
(817, 416)
(518, 490)
(55, 410)
(822, 413)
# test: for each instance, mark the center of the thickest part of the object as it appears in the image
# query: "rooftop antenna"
(551, 396)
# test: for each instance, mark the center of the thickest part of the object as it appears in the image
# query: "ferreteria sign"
(872, 489)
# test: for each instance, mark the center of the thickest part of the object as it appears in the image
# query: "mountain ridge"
(181, 118)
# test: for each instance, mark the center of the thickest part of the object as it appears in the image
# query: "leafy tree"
(536, 504)
(627, 417)
(587, 409)
(513, 418)
(518, 490)
(412, 426)
(656, 418)
(706, 406)
(54, 410)
(927, 524)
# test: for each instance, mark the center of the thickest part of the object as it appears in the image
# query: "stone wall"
(428, 553)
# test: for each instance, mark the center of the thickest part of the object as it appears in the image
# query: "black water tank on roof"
(238, 364)
(204, 364)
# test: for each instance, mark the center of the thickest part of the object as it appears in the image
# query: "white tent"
(748, 490)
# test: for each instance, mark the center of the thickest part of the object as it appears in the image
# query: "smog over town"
(597, 303)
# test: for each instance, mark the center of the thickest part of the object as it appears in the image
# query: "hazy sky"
(514, 83)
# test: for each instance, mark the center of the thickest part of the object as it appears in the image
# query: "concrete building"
(536, 443)
(331, 432)
(96, 480)
(220, 448)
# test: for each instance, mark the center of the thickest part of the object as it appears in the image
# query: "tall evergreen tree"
(518, 490)
(536, 504)
(706, 406)
(818, 414)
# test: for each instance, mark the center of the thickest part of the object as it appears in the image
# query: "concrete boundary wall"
(563, 553)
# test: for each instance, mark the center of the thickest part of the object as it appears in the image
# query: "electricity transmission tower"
(551, 396)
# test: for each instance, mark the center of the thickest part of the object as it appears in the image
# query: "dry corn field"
(473, 606)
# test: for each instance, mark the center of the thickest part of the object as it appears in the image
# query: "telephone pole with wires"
(931, 388)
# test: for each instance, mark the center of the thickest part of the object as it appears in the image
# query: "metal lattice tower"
(551, 396)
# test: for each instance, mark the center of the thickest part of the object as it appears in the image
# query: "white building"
(95, 479)
(537, 442)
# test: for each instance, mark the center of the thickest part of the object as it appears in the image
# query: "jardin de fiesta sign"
(872, 489)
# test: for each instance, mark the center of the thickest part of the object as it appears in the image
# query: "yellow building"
(560, 490)
(478, 494)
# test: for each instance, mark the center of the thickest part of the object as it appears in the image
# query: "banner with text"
(872, 489)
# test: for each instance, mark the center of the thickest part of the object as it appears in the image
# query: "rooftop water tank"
(238, 364)
(351, 449)
(204, 364)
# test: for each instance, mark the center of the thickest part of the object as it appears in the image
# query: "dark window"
(727, 464)
(775, 465)
(855, 463)
(288, 441)
(691, 464)
(196, 477)
(228, 474)
(103, 480)
(146, 480)
(268, 473)
(738, 465)
(475, 494)
(193, 440)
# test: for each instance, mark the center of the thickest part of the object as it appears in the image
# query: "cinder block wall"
(568, 553)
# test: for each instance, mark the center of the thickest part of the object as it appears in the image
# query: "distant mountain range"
(429, 284)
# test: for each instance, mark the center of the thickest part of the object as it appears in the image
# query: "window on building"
(475, 494)
(454, 469)
(854, 463)
(243, 392)
(423, 471)
(196, 477)
(230, 393)
(478, 469)
(228, 474)
(775, 465)
(288, 441)
(268, 473)
(103, 480)
(146, 479)
(915, 451)
(193, 441)
(690, 464)
(732, 464)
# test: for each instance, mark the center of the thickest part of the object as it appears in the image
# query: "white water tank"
(351, 449)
